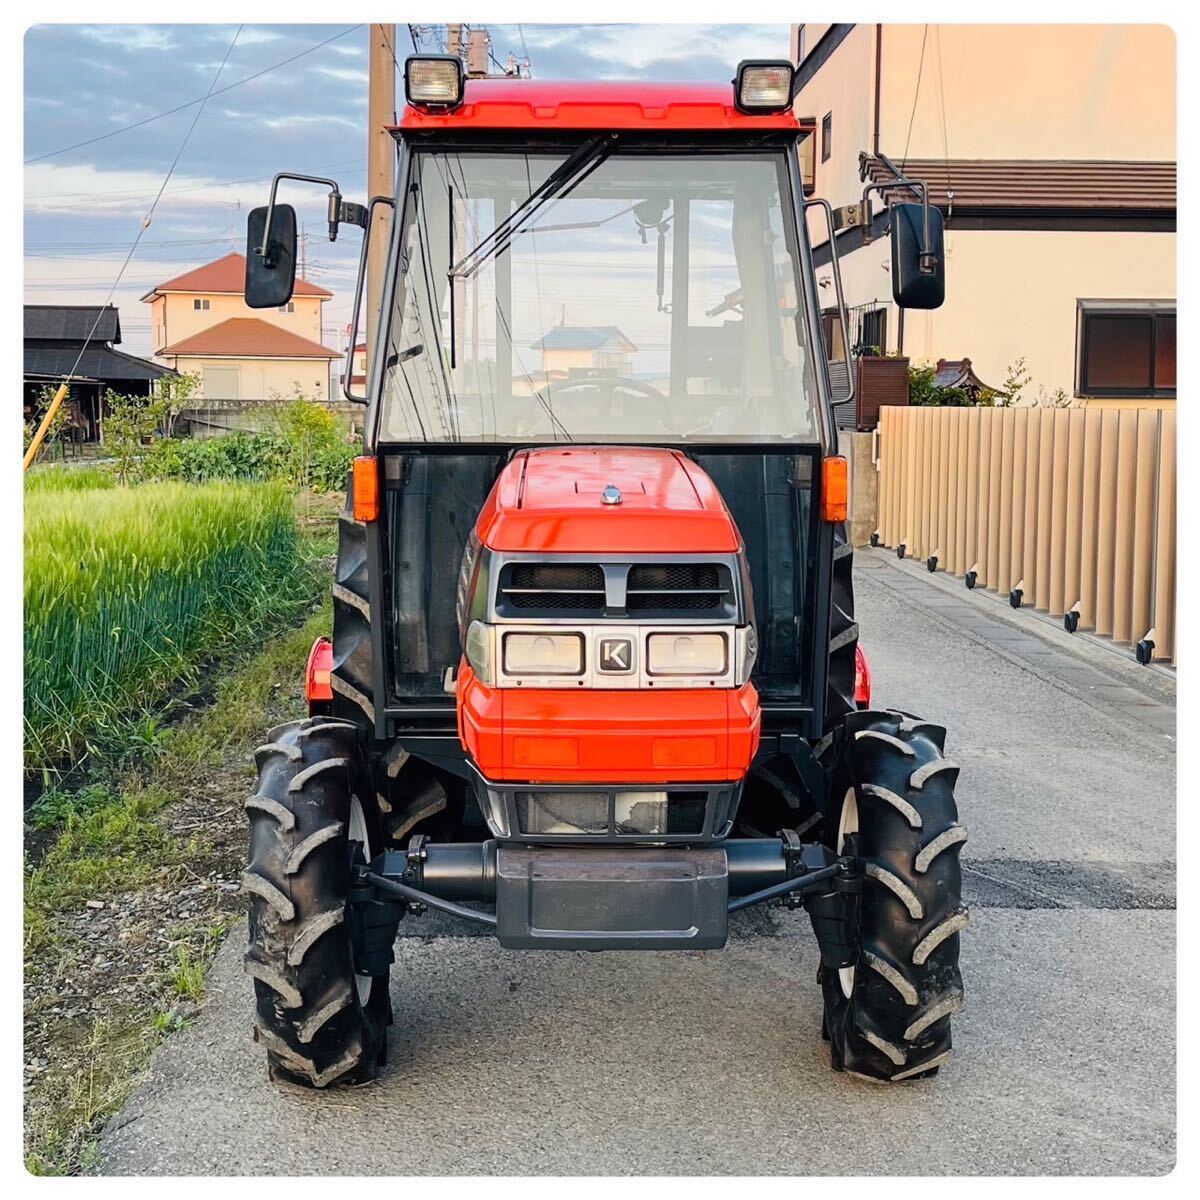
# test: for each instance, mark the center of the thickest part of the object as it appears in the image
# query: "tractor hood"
(606, 500)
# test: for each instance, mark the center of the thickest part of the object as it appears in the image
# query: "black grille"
(691, 587)
(554, 587)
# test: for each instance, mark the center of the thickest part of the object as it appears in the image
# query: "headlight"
(543, 654)
(764, 86)
(686, 654)
(479, 648)
(435, 80)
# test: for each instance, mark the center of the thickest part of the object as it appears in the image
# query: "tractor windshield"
(600, 296)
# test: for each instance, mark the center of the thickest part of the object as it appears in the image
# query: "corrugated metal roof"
(72, 322)
(226, 275)
(98, 362)
(1042, 183)
(248, 337)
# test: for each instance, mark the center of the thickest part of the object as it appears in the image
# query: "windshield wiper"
(567, 175)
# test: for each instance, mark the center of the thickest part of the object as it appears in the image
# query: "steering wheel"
(607, 386)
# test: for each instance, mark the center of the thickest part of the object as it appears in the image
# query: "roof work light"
(433, 81)
(763, 86)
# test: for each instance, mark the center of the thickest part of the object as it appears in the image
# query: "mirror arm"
(334, 211)
(843, 318)
(928, 261)
(368, 212)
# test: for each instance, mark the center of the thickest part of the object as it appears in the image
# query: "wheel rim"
(357, 832)
(847, 824)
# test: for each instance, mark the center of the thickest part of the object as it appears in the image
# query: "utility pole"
(381, 162)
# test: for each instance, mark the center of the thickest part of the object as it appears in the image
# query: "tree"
(133, 422)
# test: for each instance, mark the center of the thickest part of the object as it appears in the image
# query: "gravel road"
(712, 1063)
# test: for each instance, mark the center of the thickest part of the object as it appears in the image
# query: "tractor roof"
(597, 104)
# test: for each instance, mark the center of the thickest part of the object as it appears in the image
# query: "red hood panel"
(550, 500)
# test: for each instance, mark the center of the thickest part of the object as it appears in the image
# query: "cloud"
(321, 119)
(344, 74)
(130, 37)
(82, 189)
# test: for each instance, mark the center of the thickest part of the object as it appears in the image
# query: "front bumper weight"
(605, 897)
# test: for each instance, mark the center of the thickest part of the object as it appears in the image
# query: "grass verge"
(137, 884)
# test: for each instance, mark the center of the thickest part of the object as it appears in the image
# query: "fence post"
(1089, 540)
(1061, 490)
(1164, 543)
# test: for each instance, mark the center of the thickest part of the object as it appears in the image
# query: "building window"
(799, 44)
(1126, 348)
(200, 305)
(826, 136)
(290, 306)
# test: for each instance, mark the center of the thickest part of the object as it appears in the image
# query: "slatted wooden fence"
(1076, 507)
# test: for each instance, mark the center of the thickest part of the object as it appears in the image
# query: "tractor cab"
(594, 660)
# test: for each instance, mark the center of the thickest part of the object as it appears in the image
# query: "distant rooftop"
(581, 337)
(72, 322)
(226, 274)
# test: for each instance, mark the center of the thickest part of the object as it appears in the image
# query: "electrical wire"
(916, 95)
(201, 100)
(150, 212)
(937, 33)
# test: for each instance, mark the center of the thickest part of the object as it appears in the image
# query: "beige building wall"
(174, 315)
(844, 88)
(566, 360)
(261, 378)
(1025, 91)
(1014, 292)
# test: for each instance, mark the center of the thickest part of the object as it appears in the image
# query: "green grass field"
(128, 589)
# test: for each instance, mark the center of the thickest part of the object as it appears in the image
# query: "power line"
(116, 196)
(916, 95)
(201, 101)
(150, 212)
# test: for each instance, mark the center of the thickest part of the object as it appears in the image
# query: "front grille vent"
(554, 587)
(678, 587)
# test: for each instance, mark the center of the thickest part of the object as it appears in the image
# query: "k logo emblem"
(616, 655)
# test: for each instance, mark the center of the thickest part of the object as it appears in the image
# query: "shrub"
(923, 391)
(306, 450)
(126, 589)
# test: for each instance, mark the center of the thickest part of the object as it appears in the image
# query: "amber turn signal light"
(835, 488)
(366, 488)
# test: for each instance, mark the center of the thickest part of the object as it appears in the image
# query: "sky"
(87, 83)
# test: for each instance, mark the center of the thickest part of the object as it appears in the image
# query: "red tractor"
(593, 679)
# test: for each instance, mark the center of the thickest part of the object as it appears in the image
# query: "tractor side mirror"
(918, 256)
(270, 270)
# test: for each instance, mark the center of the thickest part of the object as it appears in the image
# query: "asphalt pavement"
(712, 1062)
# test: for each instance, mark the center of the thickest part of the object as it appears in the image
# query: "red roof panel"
(226, 274)
(248, 337)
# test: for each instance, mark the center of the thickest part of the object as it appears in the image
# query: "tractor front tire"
(319, 1021)
(893, 807)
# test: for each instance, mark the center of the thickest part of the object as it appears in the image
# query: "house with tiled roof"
(201, 325)
(569, 348)
(1050, 151)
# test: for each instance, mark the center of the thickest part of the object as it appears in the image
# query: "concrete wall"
(857, 449)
